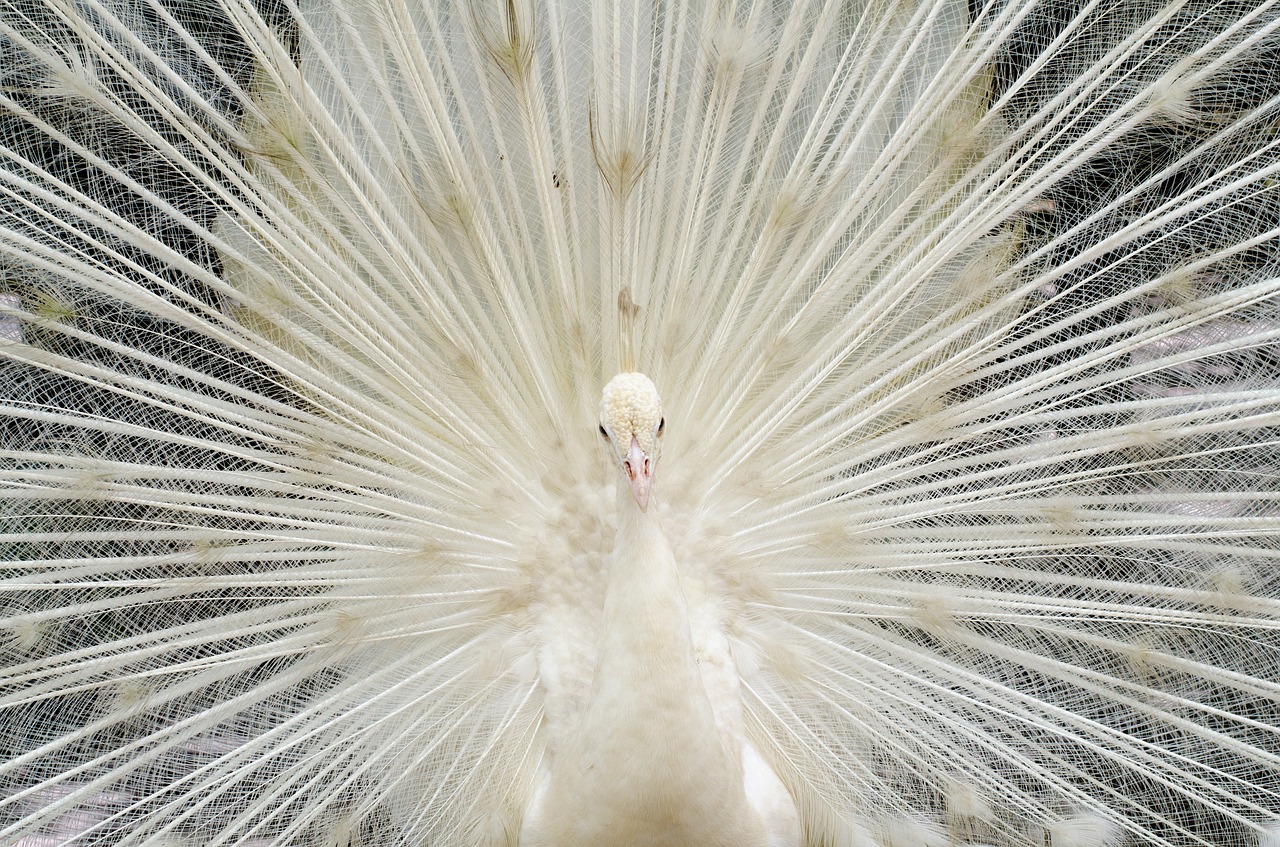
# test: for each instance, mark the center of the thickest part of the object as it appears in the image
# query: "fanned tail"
(965, 317)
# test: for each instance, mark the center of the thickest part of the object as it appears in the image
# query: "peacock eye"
(603, 432)
(662, 423)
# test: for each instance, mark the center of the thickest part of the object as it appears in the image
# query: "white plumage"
(964, 320)
(657, 751)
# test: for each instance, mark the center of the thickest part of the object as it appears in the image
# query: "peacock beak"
(639, 470)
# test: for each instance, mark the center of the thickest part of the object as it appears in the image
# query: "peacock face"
(631, 421)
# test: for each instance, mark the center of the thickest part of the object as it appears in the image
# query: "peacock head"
(631, 421)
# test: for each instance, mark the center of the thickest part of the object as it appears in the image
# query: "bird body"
(659, 755)
(654, 761)
(966, 320)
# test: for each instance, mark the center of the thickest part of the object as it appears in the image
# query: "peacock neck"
(648, 766)
(655, 765)
(646, 645)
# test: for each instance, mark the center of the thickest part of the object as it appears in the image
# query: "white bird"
(659, 754)
(957, 327)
